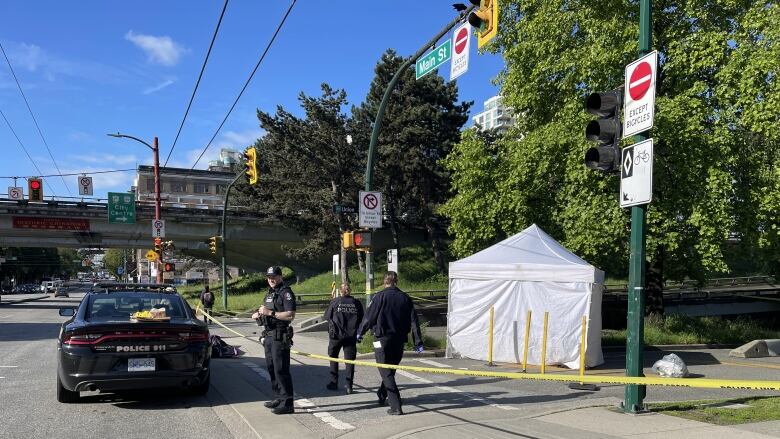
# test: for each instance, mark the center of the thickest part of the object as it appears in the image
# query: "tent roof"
(529, 255)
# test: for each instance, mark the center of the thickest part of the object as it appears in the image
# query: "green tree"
(112, 260)
(422, 121)
(308, 165)
(716, 129)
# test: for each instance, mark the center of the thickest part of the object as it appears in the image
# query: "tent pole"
(525, 346)
(490, 339)
(544, 342)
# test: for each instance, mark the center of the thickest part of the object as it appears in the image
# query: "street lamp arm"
(118, 135)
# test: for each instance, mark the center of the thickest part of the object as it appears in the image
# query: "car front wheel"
(64, 395)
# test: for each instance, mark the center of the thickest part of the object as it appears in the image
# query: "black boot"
(332, 386)
(272, 404)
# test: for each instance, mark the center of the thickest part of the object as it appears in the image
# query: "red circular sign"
(35, 184)
(461, 39)
(640, 81)
(370, 201)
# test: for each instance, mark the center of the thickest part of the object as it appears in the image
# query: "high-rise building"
(494, 116)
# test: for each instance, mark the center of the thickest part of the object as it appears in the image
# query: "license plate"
(140, 364)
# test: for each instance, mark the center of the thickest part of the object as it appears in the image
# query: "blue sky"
(93, 67)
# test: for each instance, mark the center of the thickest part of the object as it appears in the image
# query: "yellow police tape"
(703, 383)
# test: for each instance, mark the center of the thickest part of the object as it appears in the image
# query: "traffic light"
(605, 130)
(213, 245)
(362, 239)
(35, 189)
(485, 19)
(169, 267)
(158, 245)
(346, 240)
(250, 155)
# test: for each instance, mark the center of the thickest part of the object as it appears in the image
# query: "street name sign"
(370, 214)
(85, 185)
(435, 58)
(460, 57)
(639, 92)
(158, 228)
(121, 208)
(636, 174)
(338, 208)
(15, 193)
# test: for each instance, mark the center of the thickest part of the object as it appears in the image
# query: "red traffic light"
(157, 241)
(35, 184)
(362, 239)
(169, 267)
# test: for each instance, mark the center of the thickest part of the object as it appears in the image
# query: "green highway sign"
(121, 208)
(435, 58)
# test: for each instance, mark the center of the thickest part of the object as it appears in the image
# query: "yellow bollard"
(582, 349)
(544, 342)
(527, 333)
(490, 340)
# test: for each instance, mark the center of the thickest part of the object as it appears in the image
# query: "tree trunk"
(361, 265)
(654, 289)
(436, 245)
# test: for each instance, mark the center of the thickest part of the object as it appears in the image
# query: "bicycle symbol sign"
(636, 175)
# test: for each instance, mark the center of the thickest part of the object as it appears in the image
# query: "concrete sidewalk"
(7, 299)
(557, 418)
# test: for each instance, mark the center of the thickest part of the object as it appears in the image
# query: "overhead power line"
(72, 173)
(197, 83)
(246, 84)
(33, 118)
(24, 149)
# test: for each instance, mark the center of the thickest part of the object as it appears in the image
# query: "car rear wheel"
(64, 395)
(203, 387)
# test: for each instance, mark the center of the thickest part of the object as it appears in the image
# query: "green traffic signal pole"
(635, 394)
(380, 114)
(223, 243)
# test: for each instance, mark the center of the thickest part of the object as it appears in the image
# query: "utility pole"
(157, 200)
(635, 394)
(223, 240)
(380, 114)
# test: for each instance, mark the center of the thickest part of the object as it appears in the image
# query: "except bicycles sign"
(370, 214)
(639, 107)
(636, 174)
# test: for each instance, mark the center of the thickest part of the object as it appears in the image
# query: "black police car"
(101, 348)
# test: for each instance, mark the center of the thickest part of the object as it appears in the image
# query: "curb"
(671, 347)
(29, 299)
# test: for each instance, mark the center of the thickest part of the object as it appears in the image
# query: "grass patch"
(678, 329)
(761, 408)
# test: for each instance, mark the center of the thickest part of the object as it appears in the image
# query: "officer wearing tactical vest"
(277, 313)
(344, 315)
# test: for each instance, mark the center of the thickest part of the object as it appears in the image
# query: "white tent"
(528, 271)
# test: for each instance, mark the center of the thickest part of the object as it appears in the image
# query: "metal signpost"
(434, 59)
(121, 208)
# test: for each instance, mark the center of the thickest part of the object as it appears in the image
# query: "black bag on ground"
(220, 349)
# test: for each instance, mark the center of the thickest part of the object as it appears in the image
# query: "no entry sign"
(639, 105)
(461, 39)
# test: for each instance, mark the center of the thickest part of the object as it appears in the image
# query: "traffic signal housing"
(169, 267)
(213, 245)
(605, 131)
(250, 157)
(346, 241)
(158, 245)
(35, 189)
(485, 20)
(362, 239)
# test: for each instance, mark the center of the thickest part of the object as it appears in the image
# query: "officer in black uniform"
(277, 313)
(344, 315)
(391, 316)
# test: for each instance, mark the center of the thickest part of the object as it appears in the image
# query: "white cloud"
(27, 56)
(237, 140)
(160, 50)
(159, 87)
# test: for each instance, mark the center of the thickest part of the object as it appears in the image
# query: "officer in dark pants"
(344, 315)
(277, 313)
(391, 316)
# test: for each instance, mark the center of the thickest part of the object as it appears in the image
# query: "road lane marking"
(304, 403)
(9, 366)
(454, 390)
(433, 363)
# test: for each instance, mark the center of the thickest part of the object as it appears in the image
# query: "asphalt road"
(233, 407)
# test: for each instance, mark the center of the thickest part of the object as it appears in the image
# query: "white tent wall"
(469, 314)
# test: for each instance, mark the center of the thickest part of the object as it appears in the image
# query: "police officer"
(390, 317)
(277, 313)
(344, 315)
